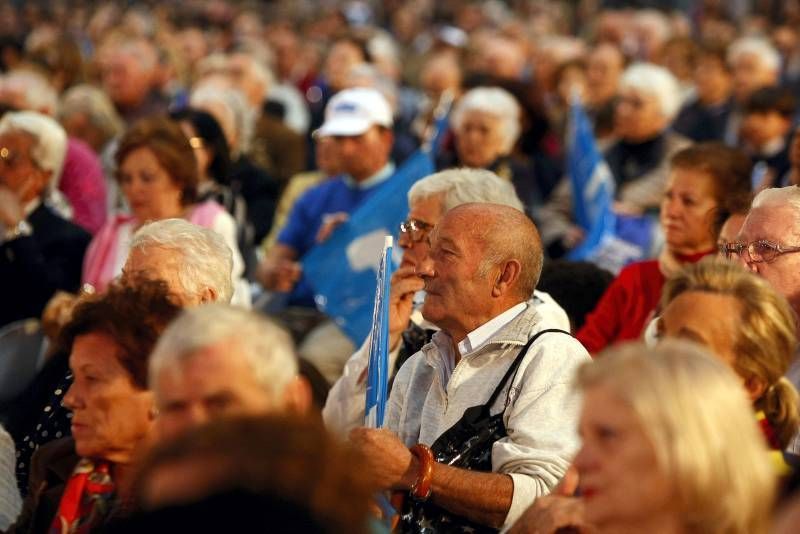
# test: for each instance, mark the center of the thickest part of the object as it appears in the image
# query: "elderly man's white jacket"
(542, 415)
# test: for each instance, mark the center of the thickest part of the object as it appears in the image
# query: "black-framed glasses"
(415, 229)
(761, 251)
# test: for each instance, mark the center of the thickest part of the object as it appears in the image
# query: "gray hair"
(206, 260)
(267, 347)
(235, 102)
(464, 186)
(494, 101)
(657, 81)
(38, 94)
(775, 197)
(99, 109)
(757, 46)
(49, 140)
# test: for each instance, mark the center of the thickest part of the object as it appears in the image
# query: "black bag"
(468, 445)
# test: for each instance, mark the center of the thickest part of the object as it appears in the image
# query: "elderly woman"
(486, 124)
(77, 482)
(754, 335)
(707, 182)
(647, 465)
(158, 184)
(649, 99)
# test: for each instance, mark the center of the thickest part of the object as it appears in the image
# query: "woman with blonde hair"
(749, 326)
(658, 428)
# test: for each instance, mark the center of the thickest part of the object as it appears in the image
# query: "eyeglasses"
(415, 229)
(757, 252)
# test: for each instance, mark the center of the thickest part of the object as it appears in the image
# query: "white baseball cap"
(354, 111)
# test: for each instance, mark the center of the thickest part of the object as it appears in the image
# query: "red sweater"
(627, 305)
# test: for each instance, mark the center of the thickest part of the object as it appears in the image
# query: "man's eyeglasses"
(414, 229)
(757, 252)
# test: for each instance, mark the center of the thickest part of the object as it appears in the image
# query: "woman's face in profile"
(620, 480)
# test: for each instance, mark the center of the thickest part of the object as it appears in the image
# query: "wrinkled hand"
(330, 222)
(404, 284)
(388, 464)
(279, 274)
(11, 212)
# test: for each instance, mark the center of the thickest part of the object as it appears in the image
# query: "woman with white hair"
(649, 100)
(694, 464)
(486, 124)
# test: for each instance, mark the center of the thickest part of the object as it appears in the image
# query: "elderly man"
(428, 201)
(40, 252)
(217, 360)
(768, 244)
(130, 77)
(488, 402)
(195, 262)
(360, 121)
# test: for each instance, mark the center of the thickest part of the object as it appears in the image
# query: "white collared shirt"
(483, 333)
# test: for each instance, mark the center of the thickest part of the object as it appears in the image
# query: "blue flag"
(378, 369)
(343, 269)
(611, 241)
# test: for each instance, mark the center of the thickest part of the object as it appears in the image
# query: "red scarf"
(86, 498)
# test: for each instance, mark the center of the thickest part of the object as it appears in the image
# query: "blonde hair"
(765, 340)
(705, 437)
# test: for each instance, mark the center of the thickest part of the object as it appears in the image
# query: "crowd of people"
(166, 169)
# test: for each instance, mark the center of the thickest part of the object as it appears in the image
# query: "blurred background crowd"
(185, 140)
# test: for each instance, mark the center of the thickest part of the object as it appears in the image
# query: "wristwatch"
(21, 229)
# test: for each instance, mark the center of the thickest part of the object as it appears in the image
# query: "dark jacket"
(33, 267)
(51, 468)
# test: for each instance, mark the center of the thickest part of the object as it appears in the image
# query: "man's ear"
(507, 277)
(208, 295)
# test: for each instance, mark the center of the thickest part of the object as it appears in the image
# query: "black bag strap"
(512, 369)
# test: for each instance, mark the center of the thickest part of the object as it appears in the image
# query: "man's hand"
(279, 271)
(330, 222)
(11, 212)
(404, 284)
(279, 274)
(386, 461)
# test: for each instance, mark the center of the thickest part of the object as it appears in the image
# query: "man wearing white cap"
(360, 122)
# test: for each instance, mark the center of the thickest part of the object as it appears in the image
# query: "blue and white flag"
(611, 241)
(378, 369)
(343, 269)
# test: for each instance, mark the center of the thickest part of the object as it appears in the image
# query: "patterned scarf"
(86, 499)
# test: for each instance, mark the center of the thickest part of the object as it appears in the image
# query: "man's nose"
(424, 268)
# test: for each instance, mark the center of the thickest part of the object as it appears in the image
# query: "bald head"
(504, 234)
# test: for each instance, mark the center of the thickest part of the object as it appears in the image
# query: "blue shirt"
(339, 194)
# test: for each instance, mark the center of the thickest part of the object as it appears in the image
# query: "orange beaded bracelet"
(421, 488)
